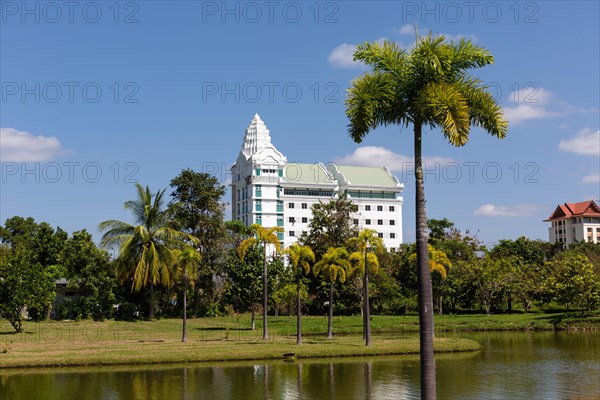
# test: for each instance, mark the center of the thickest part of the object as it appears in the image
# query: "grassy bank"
(150, 342)
(70, 343)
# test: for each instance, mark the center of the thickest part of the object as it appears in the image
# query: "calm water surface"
(544, 365)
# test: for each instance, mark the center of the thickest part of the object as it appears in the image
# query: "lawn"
(69, 343)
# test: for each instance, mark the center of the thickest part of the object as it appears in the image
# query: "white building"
(575, 222)
(268, 190)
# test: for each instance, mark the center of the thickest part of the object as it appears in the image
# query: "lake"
(511, 365)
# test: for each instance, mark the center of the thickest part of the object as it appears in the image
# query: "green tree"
(186, 266)
(145, 250)
(90, 275)
(573, 281)
(428, 85)
(330, 225)
(301, 258)
(491, 275)
(244, 280)
(334, 267)
(198, 210)
(263, 237)
(365, 262)
(24, 285)
(439, 264)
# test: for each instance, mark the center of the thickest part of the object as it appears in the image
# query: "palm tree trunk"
(367, 311)
(265, 294)
(298, 315)
(428, 389)
(184, 335)
(151, 305)
(253, 321)
(330, 320)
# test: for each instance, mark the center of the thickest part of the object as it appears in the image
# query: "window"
(379, 208)
(392, 235)
(279, 206)
(392, 222)
(280, 172)
(279, 221)
(280, 235)
(290, 205)
(392, 208)
(379, 222)
(259, 219)
(292, 219)
(304, 220)
(355, 221)
(367, 208)
(367, 222)
(292, 233)
(258, 205)
(257, 171)
(380, 234)
(304, 206)
(258, 191)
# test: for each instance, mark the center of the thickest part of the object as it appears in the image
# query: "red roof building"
(575, 222)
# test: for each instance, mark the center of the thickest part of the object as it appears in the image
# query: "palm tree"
(365, 261)
(263, 237)
(334, 267)
(145, 255)
(300, 259)
(428, 85)
(186, 261)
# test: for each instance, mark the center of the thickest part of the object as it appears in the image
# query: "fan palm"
(363, 262)
(333, 267)
(145, 255)
(263, 237)
(300, 259)
(428, 85)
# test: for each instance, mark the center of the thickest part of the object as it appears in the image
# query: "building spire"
(257, 137)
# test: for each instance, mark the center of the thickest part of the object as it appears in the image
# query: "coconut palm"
(145, 255)
(186, 263)
(300, 258)
(363, 262)
(333, 267)
(263, 237)
(428, 85)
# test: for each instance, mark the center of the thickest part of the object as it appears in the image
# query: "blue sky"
(97, 95)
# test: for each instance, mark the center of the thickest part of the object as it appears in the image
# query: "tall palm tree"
(186, 261)
(145, 255)
(301, 257)
(428, 85)
(365, 261)
(334, 267)
(263, 237)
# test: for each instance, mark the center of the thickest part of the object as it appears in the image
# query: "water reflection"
(511, 365)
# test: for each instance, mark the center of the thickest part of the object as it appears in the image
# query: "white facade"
(270, 191)
(575, 222)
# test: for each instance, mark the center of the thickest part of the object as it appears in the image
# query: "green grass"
(70, 343)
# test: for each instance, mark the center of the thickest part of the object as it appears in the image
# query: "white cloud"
(534, 102)
(586, 142)
(519, 210)
(376, 156)
(342, 56)
(591, 178)
(407, 29)
(18, 146)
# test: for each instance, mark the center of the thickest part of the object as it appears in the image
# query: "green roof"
(367, 176)
(306, 173)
